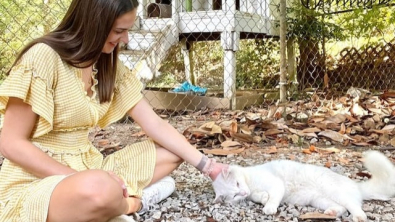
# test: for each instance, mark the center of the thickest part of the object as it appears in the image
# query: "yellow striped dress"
(66, 113)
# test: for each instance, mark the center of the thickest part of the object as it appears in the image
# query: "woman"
(60, 86)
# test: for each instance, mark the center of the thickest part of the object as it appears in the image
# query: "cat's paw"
(335, 211)
(360, 218)
(264, 197)
(268, 209)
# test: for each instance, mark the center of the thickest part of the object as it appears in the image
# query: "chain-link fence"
(190, 54)
(197, 54)
(341, 43)
(229, 48)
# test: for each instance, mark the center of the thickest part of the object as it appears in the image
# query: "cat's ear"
(225, 172)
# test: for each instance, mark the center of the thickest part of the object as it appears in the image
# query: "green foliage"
(368, 23)
(207, 59)
(172, 69)
(257, 62)
(359, 23)
(22, 21)
(303, 22)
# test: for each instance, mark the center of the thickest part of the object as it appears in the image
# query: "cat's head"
(230, 185)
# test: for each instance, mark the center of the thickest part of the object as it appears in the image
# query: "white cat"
(292, 182)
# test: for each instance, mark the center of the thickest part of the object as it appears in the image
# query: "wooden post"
(210, 5)
(229, 5)
(291, 61)
(230, 77)
(187, 52)
(283, 48)
(175, 10)
(230, 44)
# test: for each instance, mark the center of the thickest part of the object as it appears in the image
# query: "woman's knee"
(94, 194)
(99, 188)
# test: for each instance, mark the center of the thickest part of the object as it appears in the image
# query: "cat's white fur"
(292, 182)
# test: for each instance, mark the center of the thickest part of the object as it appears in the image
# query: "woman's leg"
(91, 195)
(160, 186)
(166, 162)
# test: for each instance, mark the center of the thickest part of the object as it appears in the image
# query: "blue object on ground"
(188, 87)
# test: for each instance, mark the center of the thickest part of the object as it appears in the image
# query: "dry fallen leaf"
(295, 138)
(342, 128)
(271, 150)
(244, 129)
(257, 139)
(242, 137)
(344, 161)
(328, 164)
(390, 127)
(311, 130)
(358, 111)
(310, 150)
(139, 134)
(229, 143)
(332, 135)
(233, 127)
(313, 149)
(317, 216)
(329, 150)
(271, 132)
(226, 125)
(222, 152)
(338, 118)
(103, 142)
(364, 122)
(211, 127)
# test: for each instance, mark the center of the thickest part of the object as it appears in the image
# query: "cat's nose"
(246, 192)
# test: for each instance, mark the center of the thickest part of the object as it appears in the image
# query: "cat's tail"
(381, 186)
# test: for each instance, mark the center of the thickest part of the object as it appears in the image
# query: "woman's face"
(119, 31)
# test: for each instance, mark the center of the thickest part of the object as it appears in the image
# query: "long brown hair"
(81, 35)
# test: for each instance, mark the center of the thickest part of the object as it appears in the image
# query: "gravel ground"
(194, 195)
(193, 198)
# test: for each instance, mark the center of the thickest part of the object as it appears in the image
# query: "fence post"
(230, 44)
(283, 48)
(291, 61)
(187, 52)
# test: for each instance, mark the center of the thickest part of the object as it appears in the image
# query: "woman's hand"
(121, 182)
(135, 204)
(217, 169)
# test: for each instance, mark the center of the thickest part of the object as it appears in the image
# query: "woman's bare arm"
(15, 144)
(167, 136)
(163, 133)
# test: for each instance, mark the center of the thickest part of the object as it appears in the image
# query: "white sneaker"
(156, 193)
